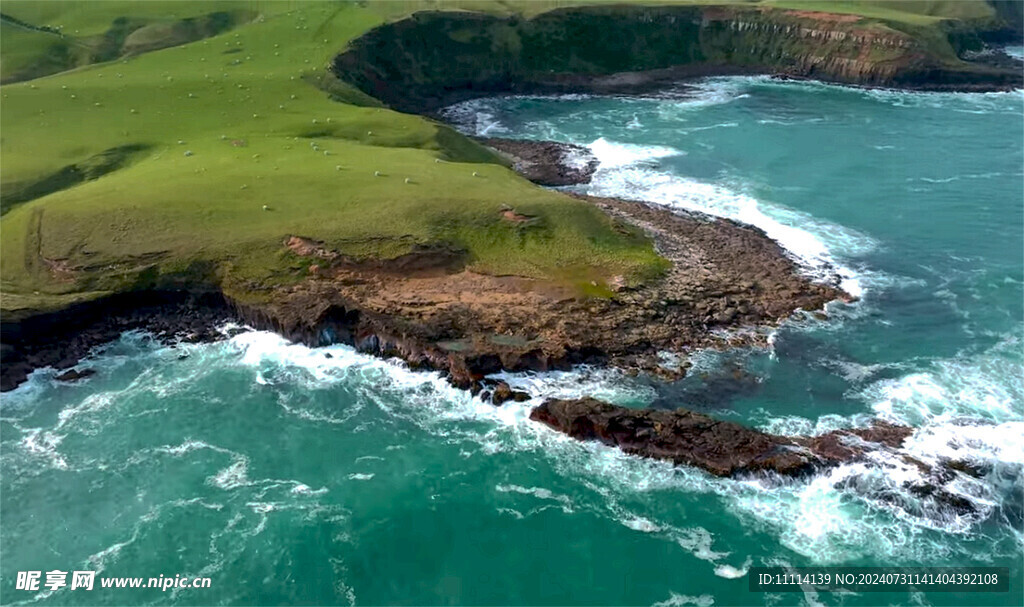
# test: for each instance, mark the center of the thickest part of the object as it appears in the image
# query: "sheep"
(475, 174)
(337, 167)
(376, 173)
(244, 187)
(266, 208)
(407, 180)
(188, 152)
(181, 142)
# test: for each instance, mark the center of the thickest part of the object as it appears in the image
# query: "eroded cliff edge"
(433, 59)
(429, 309)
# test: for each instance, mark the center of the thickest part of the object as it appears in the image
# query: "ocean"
(288, 474)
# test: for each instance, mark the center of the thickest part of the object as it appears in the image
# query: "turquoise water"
(287, 476)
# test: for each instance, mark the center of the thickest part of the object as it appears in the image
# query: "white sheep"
(266, 208)
(407, 180)
(188, 152)
(376, 173)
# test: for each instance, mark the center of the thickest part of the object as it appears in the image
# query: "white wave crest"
(625, 172)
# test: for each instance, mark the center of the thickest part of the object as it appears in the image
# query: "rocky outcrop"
(61, 339)
(75, 375)
(547, 163)
(428, 309)
(433, 59)
(727, 449)
(719, 447)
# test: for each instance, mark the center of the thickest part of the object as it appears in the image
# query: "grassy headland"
(224, 126)
(169, 143)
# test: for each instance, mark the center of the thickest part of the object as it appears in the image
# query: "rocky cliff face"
(435, 58)
(427, 308)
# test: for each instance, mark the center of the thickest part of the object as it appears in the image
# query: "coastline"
(367, 303)
(677, 330)
(627, 327)
(620, 325)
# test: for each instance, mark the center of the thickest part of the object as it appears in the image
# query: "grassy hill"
(137, 165)
(200, 137)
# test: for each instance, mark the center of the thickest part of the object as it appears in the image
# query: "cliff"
(431, 59)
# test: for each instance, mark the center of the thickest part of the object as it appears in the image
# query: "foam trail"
(625, 171)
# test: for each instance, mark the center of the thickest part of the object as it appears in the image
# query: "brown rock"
(75, 375)
(504, 393)
(719, 447)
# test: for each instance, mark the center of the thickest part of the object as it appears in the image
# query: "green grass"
(249, 106)
(246, 108)
(913, 12)
(24, 51)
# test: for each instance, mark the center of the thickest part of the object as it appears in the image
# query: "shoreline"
(414, 66)
(515, 325)
(670, 319)
(655, 84)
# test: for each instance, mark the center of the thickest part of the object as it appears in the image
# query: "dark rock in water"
(681, 436)
(504, 393)
(61, 339)
(548, 163)
(974, 469)
(843, 445)
(719, 447)
(75, 375)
